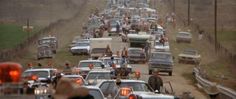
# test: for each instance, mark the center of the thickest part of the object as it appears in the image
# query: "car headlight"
(39, 91)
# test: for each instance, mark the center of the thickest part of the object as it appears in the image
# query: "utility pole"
(174, 6)
(188, 12)
(28, 28)
(215, 14)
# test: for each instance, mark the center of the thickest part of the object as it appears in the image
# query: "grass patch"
(221, 71)
(12, 34)
(190, 77)
(227, 36)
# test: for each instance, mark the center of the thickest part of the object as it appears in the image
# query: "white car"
(95, 92)
(80, 48)
(43, 75)
(78, 79)
(160, 47)
(189, 55)
(184, 37)
(116, 61)
(138, 87)
(97, 75)
(86, 65)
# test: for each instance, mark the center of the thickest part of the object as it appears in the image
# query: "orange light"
(132, 96)
(79, 81)
(125, 91)
(34, 77)
(0, 81)
(14, 73)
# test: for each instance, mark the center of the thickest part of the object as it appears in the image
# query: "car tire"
(109, 34)
(170, 73)
(38, 58)
(179, 61)
(150, 72)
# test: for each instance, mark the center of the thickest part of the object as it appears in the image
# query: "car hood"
(151, 95)
(160, 61)
(80, 47)
(161, 47)
(187, 55)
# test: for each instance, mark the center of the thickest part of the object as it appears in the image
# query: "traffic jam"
(126, 33)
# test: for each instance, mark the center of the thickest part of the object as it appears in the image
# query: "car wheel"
(170, 73)
(38, 58)
(150, 72)
(144, 62)
(109, 34)
(180, 61)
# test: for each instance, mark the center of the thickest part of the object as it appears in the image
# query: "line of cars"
(47, 47)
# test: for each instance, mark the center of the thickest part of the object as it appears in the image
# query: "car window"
(137, 86)
(100, 75)
(108, 88)
(82, 44)
(86, 64)
(40, 74)
(190, 52)
(95, 93)
(183, 34)
(115, 61)
(135, 51)
(160, 56)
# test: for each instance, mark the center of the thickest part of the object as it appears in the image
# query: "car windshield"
(183, 34)
(190, 52)
(82, 44)
(40, 74)
(137, 86)
(101, 75)
(160, 56)
(160, 44)
(108, 61)
(95, 93)
(135, 51)
(86, 64)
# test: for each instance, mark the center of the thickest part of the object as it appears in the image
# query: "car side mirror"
(103, 66)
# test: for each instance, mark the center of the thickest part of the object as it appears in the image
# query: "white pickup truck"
(98, 47)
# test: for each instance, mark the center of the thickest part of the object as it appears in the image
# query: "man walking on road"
(155, 81)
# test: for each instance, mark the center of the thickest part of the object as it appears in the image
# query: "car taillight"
(79, 81)
(132, 96)
(34, 77)
(125, 91)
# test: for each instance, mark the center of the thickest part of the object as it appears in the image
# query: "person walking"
(155, 81)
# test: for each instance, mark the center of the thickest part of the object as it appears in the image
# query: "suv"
(44, 75)
(162, 61)
(136, 55)
(51, 41)
(84, 66)
(80, 48)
